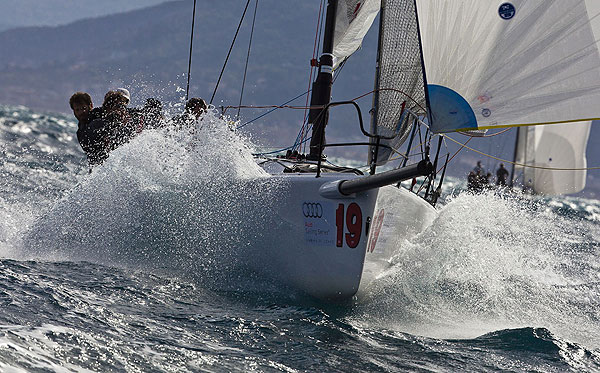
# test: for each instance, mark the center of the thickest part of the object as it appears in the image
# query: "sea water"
(137, 266)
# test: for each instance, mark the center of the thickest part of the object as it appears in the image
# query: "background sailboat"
(557, 146)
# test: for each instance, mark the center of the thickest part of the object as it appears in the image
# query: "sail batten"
(521, 62)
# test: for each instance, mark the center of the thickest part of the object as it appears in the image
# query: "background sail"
(353, 20)
(556, 146)
(516, 62)
(399, 82)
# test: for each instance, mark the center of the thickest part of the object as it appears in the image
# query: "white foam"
(489, 263)
(169, 199)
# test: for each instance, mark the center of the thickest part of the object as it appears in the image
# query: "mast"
(321, 88)
(375, 105)
(512, 171)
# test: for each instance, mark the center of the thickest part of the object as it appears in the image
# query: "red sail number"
(353, 220)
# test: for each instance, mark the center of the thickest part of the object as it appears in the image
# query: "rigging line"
(393, 90)
(458, 151)
(283, 106)
(423, 185)
(273, 109)
(521, 164)
(247, 59)
(229, 53)
(274, 106)
(339, 69)
(187, 91)
(407, 154)
(282, 149)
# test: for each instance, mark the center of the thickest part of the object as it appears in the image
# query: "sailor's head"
(81, 104)
(478, 163)
(196, 106)
(125, 93)
(114, 101)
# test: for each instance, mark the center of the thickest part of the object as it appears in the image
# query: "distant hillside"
(20, 13)
(147, 51)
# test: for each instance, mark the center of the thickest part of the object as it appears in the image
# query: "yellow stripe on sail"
(515, 163)
(521, 125)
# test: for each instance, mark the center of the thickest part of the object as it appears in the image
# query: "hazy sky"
(14, 13)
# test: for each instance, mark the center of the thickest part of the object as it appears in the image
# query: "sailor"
(501, 175)
(120, 122)
(194, 109)
(84, 111)
(112, 128)
(152, 112)
(135, 114)
(479, 169)
(473, 182)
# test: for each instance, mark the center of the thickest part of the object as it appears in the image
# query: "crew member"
(501, 175)
(84, 111)
(194, 109)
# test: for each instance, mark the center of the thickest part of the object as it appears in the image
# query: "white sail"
(519, 62)
(553, 146)
(399, 83)
(353, 20)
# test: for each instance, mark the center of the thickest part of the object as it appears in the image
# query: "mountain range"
(19, 13)
(147, 51)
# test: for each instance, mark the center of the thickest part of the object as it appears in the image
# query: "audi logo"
(312, 210)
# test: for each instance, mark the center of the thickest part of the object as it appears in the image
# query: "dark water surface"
(494, 283)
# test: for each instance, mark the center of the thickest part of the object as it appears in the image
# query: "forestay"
(399, 82)
(555, 146)
(353, 20)
(520, 62)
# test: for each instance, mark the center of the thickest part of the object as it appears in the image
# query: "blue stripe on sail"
(449, 110)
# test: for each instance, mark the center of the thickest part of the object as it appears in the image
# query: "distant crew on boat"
(501, 175)
(102, 130)
(479, 180)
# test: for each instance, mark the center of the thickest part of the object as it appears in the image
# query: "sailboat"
(447, 66)
(558, 146)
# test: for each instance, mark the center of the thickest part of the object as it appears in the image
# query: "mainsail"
(554, 146)
(522, 62)
(352, 21)
(399, 84)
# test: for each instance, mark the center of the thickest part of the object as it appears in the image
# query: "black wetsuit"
(184, 120)
(104, 133)
(501, 176)
(92, 137)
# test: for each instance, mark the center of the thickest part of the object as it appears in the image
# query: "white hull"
(318, 244)
(399, 216)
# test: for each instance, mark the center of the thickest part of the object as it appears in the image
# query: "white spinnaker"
(554, 146)
(353, 20)
(540, 66)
